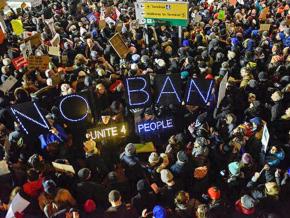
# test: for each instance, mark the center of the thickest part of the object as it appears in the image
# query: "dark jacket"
(143, 201)
(120, 212)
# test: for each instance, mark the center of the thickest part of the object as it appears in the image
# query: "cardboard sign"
(3, 3)
(265, 138)
(19, 62)
(8, 84)
(17, 26)
(264, 27)
(107, 132)
(222, 15)
(154, 126)
(102, 24)
(110, 21)
(222, 90)
(147, 147)
(18, 204)
(35, 40)
(4, 170)
(119, 45)
(119, 27)
(63, 167)
(263, 14)
(233, 2)
(53, 50)
(38, 62)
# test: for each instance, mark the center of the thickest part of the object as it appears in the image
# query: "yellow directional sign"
(166, 10)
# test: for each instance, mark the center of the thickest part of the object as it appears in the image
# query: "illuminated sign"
(199, 91)
(105, 132)
(151, 126)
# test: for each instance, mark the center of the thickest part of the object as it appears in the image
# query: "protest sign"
(119, 27)
(107, 132)
(63, 167)
(18, 204)
(264, 27)
(91, 17)
(35, 40)
(154, 126)
(17, 26)
(8, 84)
(4, 170)
(265, 138)
(147, 147)
(54, 50)
(222, 89)
(102, 24)
(38, 62)
(19, 62)
(119, 45)
(3, 3)
(222, 15)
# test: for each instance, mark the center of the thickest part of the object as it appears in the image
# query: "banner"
(17, 26)
(19, 62)
(8, 84)
(199, 92)
(107, 132)
(38, 62)
(155, 126)
(168, 89)
(138, 91)
(119, 45)
(265, 138)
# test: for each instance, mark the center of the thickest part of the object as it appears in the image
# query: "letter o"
(152, 127)
(73, 96)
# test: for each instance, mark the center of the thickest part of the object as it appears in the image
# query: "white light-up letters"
(204, 98)
(141, 90)
(154, 126)
(162, 92)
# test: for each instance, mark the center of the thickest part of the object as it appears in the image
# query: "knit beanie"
(166, 176)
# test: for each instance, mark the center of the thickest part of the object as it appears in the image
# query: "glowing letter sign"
(105, 132)
(199, 91)
(29, 117)
(138, 91)
(170, 90)
(152, 126)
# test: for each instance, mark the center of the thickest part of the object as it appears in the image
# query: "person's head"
(287, 112)
(277, 96)
(159, 212)
(245, 72)
(166, 176)
(84, 174)
(272, 189)
(90, 147)
(182, 198)
(32, 175)
(273, 150)
(115, 198)
(89, 206)
(100, 88)
(130, 149)
(214, 193)
(49, 187)
(202, 211)
(90, 42)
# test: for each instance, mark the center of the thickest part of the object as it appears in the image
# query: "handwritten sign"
(63, 167)
(54, 50)
(19, 62)
(35, 40)
(8, 84)
(265, 138)
(38, 62)
(17, 26)
(105, 132)
(119, 45)
(264, 27)
(151, 126)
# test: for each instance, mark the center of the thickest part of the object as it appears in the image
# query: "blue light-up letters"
(169, 86)
(82, 117)
(19, 116)
(154, 126)
(196, 91)
(137, 91)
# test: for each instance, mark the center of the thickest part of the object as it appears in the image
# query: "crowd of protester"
(213, 165)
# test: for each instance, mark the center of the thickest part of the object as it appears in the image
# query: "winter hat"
(153, 158)
(262, 76)
(114, 196)
(145, 59)
(200, 141)
(6, 61)
(247, 158)
(49, 187)
(89, 206)
(231, 55)
(253, 83)
(200, 172)
(184, 74)
(214, 193)
(247, 202)
(142, 185)
(94, 55)
(160, 62)
(277, 96)
(256, 120)
(135, 58)
(130, 149)
(134, 66)
(166, 176)
(84, 173)
(234, 168)
(159, 212)
(271, 189)
(182, 157)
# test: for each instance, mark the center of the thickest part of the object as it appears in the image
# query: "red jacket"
(34, 188)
